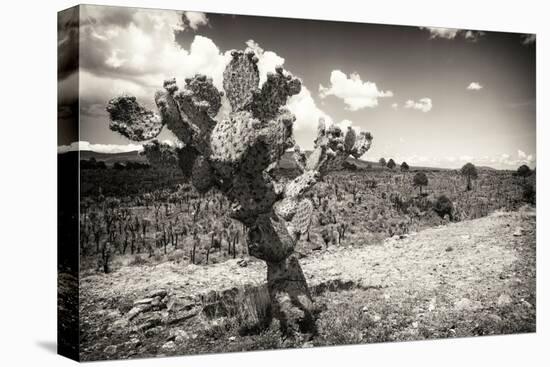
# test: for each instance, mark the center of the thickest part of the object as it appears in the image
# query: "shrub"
(443, 206)
(391, 164)
(404, 167)
(529, 194)
(524, 171)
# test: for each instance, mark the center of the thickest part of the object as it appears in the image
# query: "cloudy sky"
(430, 96)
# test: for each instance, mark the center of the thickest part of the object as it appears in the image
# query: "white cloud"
(99, 148)
(267, 60)
(143, 49)
(196, 19)
(452, 33)
(439, 32)
(474, 86)
(303, 106)
(521, 154)
(466, 158)
(394, 106)
(528, 39)
(355, 93)
(424, 104)
(137, 52)
(473, 35)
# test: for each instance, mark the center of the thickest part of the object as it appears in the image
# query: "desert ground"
(383, 261)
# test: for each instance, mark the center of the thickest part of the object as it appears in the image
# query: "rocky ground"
(468, 278)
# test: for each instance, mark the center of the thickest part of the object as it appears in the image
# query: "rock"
(242, 263)
(143, 301)
(449, 249)
(365, 309)
(150, 322)
(403, 236)
(518, 231)
(466, 304)
(111, 349)
(134, 312)
(114, 314)
(155, 302)
(431, 306)
(178, 335)
(134, 343)
(232, 338)
(494, 318)
(504, 300)
(308, 345)
(526, 304)
(153, 331)
(465, 237)
(171, 302)
(376, 317)
(169, 346)
(415, 324)
(158, 293)
(120, 324)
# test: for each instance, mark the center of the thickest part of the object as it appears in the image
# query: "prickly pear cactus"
(302, 218)
(236, 156)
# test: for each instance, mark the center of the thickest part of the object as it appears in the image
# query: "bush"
(529, 194)
(524, 171)
(443, 206)
(349, 166)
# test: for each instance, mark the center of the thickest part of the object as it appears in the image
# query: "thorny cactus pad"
(236, 156)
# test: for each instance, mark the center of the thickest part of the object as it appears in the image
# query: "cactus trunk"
(291, 299)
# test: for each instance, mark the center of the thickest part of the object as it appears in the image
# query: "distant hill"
(287, 161)
(112, 158)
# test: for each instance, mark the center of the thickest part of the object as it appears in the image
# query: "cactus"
(236, 156)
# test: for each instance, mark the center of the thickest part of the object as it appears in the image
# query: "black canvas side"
(68, 185)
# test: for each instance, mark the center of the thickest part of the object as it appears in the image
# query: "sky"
(436, 97)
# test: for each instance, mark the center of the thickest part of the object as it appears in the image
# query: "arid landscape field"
(166, 271)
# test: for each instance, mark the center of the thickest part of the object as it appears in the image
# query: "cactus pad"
(204, 90)
(241, 79)
(202, 176)
(132, 120)
(274, 94)
(302, 219)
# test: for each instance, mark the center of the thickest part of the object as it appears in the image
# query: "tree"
(420, 180)
(524, 171)
(237, 155)
(160, 154)
(404, 167)
(382, 162)
(470, 172)
(391, 164)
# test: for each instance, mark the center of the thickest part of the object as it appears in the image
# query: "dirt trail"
(466, 262)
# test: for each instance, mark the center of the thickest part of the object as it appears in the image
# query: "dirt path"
(464, 263)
